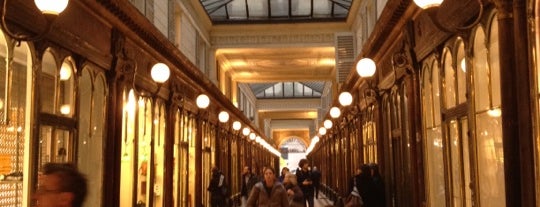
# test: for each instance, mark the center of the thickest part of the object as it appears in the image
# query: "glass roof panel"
(287, 90)
(268, 11)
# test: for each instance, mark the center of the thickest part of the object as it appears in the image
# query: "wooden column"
(515, 100)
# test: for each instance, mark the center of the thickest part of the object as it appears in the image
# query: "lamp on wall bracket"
(50, 9)
(160, 74)
(366, 68)
(431, 7)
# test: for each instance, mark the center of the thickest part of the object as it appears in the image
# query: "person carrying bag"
(354, 199)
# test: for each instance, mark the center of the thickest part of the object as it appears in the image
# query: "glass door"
(55, 145)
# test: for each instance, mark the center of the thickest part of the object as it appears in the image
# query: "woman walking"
(269, 192)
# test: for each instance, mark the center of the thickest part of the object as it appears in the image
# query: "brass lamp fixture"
(322, 131)
(335, 112)
(50, 9)
(203, 101)
(431, 6)
(327, 124)
(237, 125)
(223, 116)
(366, 68)
(160, 74)
(345, 98)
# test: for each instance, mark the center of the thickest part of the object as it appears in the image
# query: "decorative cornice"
(274, 39)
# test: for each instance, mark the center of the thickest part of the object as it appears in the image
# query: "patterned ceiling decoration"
(272, 11)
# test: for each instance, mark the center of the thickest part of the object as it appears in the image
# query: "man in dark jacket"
(248, 181)
(217, 188)
(316, 174)
(305, 181)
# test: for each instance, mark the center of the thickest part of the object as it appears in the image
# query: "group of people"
(286, 190)
(61, 184)
(298, 189)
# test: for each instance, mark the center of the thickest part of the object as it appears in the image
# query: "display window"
(15, 110)
(433, 144)
(143, 140)
(184, 126)
(463, 137)
(91, 126)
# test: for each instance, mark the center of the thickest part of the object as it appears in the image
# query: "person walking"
(296, 197)
(378, 184)
(270, 192)
(217, 188)
(305, 181)
(316, 174)
(249, 179)
(284, 171)
(364, 186)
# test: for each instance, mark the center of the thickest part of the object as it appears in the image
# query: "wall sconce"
(366, 68)
(345, 98)
(246, 131)
(160, 74)
(430, 7)
(203, 101)
(236, 125)
(223, 116)
(335, 112)
(327, 124)
(322, 131)
(50, 9)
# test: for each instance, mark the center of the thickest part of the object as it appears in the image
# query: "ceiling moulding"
(290, 104)
(273, 40)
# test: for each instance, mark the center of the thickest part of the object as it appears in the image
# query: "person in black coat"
(217, 188)
(363, 182)
(316, 174)
(249, 179)
(378, 184)
(305, 181)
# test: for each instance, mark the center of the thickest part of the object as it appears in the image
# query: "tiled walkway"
(323, 201)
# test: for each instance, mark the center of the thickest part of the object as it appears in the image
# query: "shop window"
(15, 91)
(184, 170)
(57, 127)
(456, 127)
(92, 93)
(143, 140)
(489, 145)
(433, 143)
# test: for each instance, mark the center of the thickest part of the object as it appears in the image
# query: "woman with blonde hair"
(296, 197)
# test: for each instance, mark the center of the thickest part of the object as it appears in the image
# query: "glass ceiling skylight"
(287, 90)
(270, 11)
